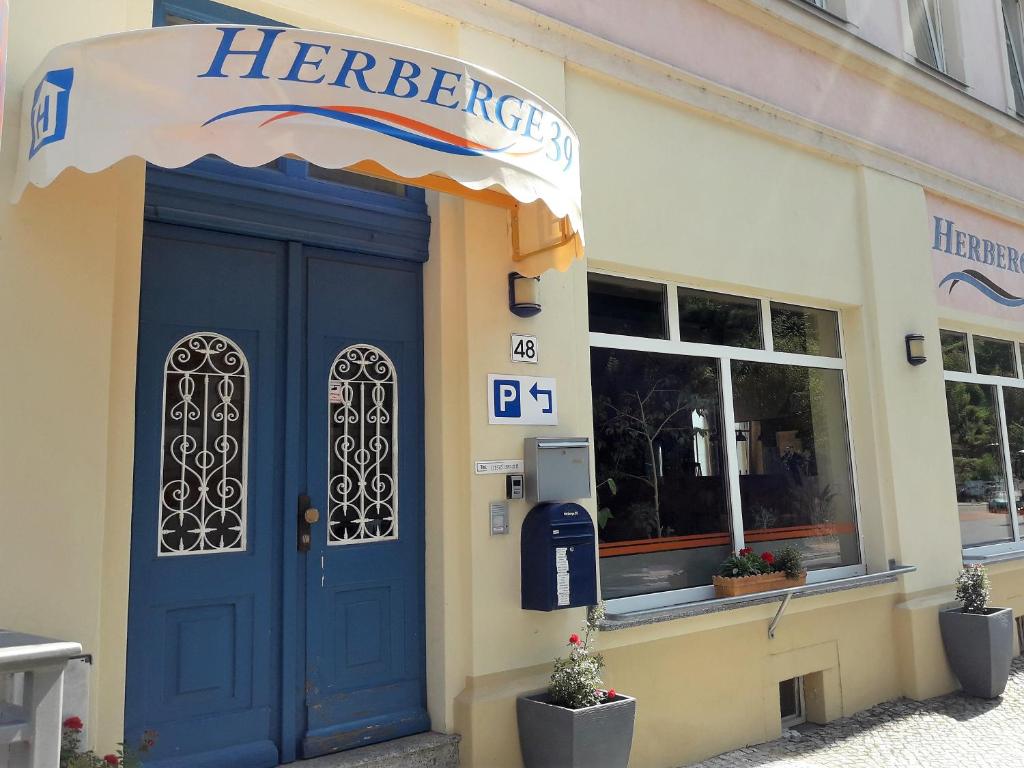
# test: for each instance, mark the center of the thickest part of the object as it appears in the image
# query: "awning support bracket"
(778, 615)
(567, 236)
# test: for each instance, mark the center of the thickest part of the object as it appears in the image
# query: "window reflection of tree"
(974, 432)
(719, 319)
(657, 440)
(1014, 401)
(798, 457)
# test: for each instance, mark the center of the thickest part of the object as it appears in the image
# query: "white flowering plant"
(973, 588)
(576, 681)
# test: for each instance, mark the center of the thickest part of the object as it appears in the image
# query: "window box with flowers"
(577, 722)
(747, 572)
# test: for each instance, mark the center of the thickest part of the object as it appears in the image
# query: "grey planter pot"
(979, 648)
(556, 737)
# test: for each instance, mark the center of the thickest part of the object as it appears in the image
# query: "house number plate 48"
(524, 348)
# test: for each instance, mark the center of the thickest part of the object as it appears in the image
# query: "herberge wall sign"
(977, 260)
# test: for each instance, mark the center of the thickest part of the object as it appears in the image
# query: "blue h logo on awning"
(48, 119)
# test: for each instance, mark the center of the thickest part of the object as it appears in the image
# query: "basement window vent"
(791, 702)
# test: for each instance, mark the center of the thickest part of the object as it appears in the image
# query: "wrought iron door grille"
(204, 447)
(362, 482)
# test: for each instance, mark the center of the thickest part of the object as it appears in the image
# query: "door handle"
(308, 515)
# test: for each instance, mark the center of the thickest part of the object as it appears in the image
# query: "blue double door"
(276, 601)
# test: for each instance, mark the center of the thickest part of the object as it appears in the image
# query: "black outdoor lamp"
(915, 349)
(523, 295)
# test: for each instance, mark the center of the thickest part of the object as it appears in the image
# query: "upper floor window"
(935, 35)
(833, 7)
(1013, 25)
(985, 407)
(719, 422)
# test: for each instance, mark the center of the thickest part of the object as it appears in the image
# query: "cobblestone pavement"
(952, 731)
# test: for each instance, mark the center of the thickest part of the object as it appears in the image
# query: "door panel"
(365, 648)
(209, 548)
(203, 629)
(212, 669)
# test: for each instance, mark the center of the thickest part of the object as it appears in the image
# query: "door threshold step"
(424, 750)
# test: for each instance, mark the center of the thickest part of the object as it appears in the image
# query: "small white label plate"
(507, 467)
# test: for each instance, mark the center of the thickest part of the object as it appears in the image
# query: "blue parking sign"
(507, 404)
(515, 399)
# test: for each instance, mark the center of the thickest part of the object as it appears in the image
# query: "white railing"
(31, 693)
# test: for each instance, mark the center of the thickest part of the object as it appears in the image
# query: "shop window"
(954, 351)
(627, 307)
(977, 463)
(985, 409)
(934, 35)
(994, 357)
(1013, 27)
(805, 331)
(796, 479)
(203, 441)
(716, 438)
(716, 318)
(660, 469)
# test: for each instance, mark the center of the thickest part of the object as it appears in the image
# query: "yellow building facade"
(712, 185)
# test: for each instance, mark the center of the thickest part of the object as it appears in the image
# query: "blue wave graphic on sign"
(344, 115)
(983, 284)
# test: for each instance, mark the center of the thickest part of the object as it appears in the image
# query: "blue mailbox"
(559, 558)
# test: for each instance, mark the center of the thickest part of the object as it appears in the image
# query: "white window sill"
(625, 620)
(988, 555)
(938, 74)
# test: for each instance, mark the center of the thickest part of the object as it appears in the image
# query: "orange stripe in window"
(697, 541)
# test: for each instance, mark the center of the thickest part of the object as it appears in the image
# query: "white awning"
(252, 94)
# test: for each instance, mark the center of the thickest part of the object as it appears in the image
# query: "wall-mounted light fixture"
(915, 349)
(523, 295)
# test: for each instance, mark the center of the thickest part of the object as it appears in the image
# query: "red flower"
(574, 639)
(768, 557)
(111, 760)
(73, 723)
(746, 551)
(611, 694)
